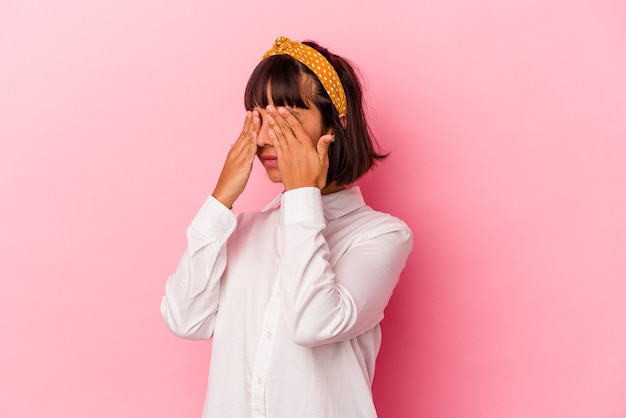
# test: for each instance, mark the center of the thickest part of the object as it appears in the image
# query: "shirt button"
(259, 380)
(269, 334)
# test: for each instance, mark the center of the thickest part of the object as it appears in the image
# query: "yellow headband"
(317, 63)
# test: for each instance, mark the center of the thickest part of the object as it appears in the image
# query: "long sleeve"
(328, 300)
(192, 292)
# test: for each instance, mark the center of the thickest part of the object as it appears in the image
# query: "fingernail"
(269, 118)
(270, 108)
(282, 110)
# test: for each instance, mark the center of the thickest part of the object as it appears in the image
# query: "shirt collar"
(335, 204)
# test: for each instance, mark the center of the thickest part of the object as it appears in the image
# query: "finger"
(247, 121)
(256, 121)
(246, 131)
(323, 145)
(281, 126)
(245, 145)
(278, 146)
(255, 128)
(275, 132)
(292, 122)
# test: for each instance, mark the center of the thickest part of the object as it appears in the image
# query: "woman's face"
(311, 121)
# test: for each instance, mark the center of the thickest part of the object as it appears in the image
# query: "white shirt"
(292, 296)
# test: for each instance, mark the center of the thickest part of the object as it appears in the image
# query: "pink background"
(507, 127)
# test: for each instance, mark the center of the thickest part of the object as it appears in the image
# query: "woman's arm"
(192, 293)
(324, 303)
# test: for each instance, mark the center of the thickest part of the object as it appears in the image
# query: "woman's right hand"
(238, 165)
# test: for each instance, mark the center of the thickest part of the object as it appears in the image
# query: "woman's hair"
(291, 83)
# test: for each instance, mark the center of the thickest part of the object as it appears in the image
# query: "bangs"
(283, 74)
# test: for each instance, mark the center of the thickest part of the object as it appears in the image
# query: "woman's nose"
(263, 137)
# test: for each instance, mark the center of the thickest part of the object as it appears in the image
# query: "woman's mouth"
(269, 161)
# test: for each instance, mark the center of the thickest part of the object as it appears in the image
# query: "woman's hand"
(238, 165)
(301, 161)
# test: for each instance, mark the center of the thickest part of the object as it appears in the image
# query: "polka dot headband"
(317, 63)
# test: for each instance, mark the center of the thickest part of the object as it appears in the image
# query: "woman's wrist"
(224, 199)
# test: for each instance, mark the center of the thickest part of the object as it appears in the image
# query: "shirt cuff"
(303, 205)
(213, 220)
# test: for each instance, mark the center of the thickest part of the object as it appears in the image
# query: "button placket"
(264, 354)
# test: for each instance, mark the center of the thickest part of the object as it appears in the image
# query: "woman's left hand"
(302, 161)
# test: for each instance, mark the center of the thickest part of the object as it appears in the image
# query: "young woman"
(292, 295)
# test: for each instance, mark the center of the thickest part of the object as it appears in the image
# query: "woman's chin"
(273, 174)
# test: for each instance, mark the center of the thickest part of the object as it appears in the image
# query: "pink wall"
(508, 137)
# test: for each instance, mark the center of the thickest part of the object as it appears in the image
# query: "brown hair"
(353, 152)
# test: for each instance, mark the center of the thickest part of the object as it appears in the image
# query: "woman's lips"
(269, 161)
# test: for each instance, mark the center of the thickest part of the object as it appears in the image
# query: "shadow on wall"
(392, 188)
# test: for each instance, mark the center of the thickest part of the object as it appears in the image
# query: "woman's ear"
(343, 119)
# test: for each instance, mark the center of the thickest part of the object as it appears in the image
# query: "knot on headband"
(315, 62)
